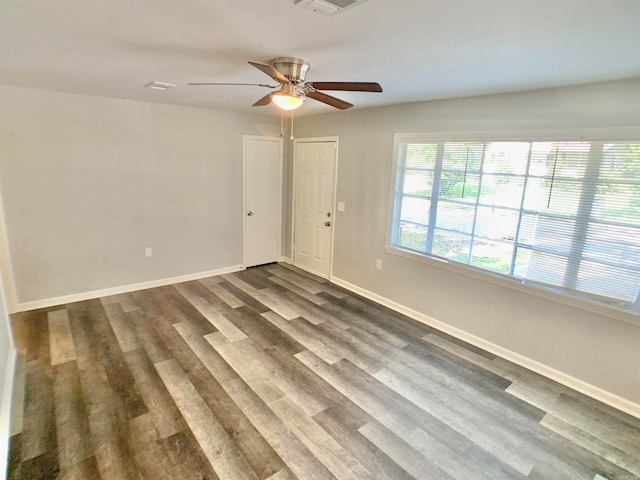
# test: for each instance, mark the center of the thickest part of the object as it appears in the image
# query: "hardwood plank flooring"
(275, 374)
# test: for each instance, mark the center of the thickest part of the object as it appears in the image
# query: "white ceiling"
(416, 49)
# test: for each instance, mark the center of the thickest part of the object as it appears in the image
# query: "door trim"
(6, 270)
(296, 141)
(246, 138)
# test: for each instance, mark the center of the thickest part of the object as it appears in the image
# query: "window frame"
(590, 302)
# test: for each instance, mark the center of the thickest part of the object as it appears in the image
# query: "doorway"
(262, 228)
(314, 170)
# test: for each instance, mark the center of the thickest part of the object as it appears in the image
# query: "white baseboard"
(286, 260)
(592, 391)
(5, 409)
(78, 297)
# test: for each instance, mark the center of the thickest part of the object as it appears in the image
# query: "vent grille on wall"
(328, 7)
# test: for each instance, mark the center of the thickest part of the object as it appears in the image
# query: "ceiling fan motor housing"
(295, 69)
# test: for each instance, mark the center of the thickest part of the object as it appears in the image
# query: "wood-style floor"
(272, 373)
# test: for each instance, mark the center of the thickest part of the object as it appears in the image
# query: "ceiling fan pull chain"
(282, 123)
(291, 137)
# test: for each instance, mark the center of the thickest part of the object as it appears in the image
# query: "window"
(557, 214)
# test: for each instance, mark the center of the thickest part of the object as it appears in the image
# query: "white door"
(314, 170)
(262, 199)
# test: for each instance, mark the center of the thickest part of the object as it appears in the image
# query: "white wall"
(89, 182)
(589, 347)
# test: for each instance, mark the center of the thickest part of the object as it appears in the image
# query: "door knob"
(249, 213)
(327, 224)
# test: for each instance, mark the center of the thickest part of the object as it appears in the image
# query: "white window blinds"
(558, 214)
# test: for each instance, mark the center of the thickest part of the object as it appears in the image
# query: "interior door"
(314, 167)
(262, 199)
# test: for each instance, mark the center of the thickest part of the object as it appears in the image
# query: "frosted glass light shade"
(287, 102)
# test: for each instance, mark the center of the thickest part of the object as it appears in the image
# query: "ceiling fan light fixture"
(286, 101)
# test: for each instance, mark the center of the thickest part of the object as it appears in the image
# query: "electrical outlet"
(379, 264)
(148, 252)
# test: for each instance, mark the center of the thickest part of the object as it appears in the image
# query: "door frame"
(6, 271)
(246, 138)
(296, 141)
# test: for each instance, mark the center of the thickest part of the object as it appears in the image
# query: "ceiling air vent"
(328, 7)
(160, 85)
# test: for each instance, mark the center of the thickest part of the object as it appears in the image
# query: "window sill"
(515, 284)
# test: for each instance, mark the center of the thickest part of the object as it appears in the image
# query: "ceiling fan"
(292, 89)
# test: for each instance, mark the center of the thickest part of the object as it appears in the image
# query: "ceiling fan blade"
(272, 72)
(347, 86)
(223, 83)
(266, 100)
(329, 100)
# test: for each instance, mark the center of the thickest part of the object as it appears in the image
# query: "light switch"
(341, 206)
